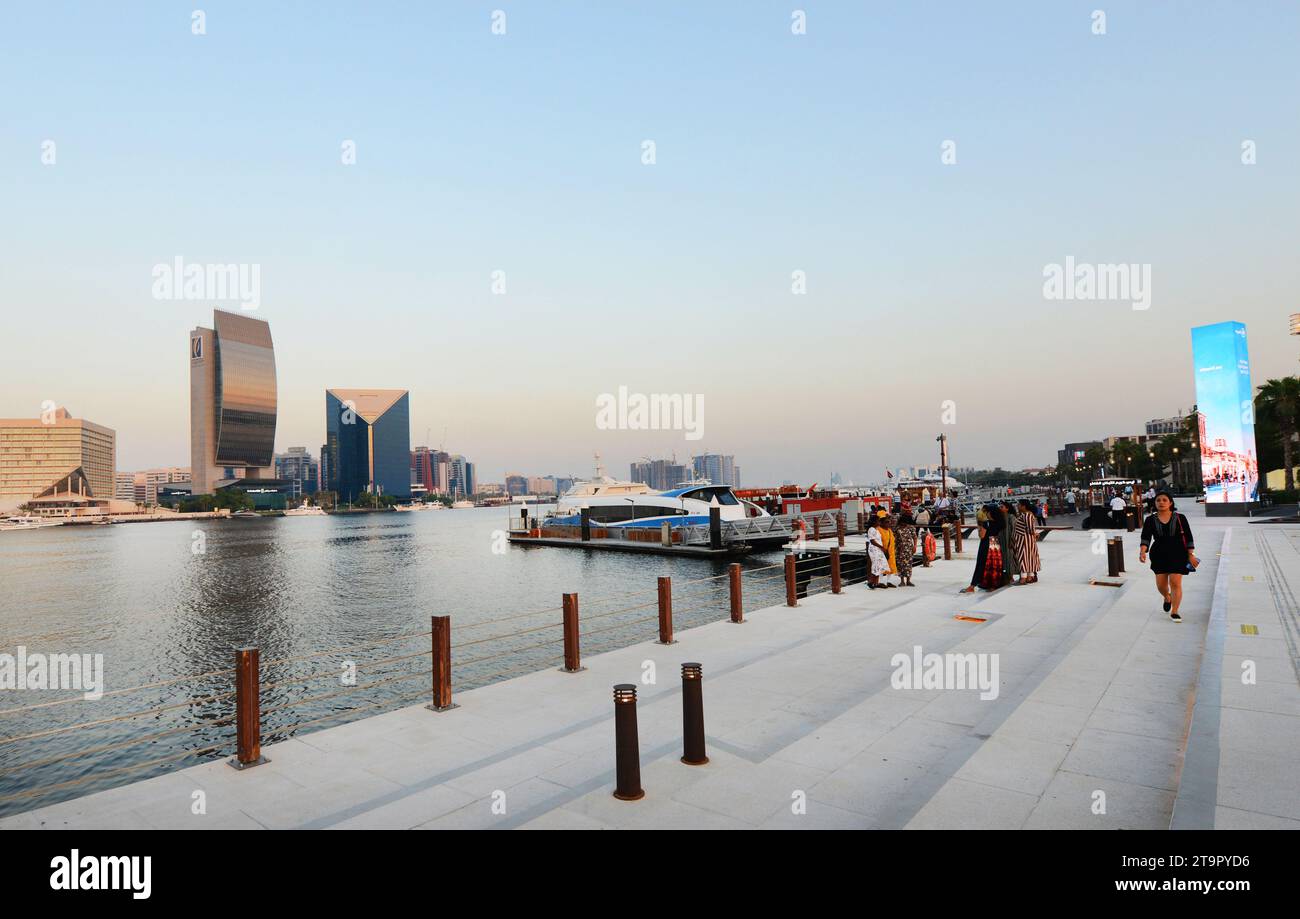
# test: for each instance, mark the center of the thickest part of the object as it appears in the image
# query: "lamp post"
(942, 440)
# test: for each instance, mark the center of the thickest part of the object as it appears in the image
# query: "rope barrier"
(127, 717)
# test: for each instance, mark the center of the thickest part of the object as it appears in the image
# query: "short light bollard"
(737, 604)
(791, 598)
(248, 711)
(627, 748)
(441, 665)
(572, 656)
(836, 584)
(666, 611)
(1112, 562)
(947, 542)
(1119, 553)
(693, 715)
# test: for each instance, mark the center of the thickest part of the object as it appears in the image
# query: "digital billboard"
(1224, 397)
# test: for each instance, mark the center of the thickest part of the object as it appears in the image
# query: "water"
(157, 609)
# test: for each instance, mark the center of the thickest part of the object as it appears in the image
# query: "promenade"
(1107, 715)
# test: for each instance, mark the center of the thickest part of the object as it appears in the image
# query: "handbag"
(1191, 569)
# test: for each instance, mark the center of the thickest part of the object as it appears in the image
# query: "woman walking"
(1168, 536)
(1024, 541)
(906, 538)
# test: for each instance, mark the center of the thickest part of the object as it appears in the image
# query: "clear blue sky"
(775, 152)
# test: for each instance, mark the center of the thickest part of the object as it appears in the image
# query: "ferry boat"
(611, 504)
(28, 522)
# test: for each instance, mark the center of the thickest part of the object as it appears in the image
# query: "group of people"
(1016, 524)
(892, 541)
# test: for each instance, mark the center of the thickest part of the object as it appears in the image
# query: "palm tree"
(1279, 400)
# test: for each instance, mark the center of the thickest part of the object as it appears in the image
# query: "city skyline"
(502, 225)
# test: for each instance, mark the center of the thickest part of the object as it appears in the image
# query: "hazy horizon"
(775, 153)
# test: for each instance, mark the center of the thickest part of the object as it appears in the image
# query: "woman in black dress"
(1168, 536)
(988, 558)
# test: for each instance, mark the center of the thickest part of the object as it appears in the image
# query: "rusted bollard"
(957, 535)
(627, 748)
(737, 605)
(248, 711)
(817, 528)
(947, 542)
(572, 656)
(790, 597)
(839, 528)
(693, 715)
(441, 665)
(862, 522)
(835, 571)
(666, 611)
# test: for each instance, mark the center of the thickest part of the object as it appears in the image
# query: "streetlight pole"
(943, 462)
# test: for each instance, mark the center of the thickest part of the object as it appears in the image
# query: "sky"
(919, 164)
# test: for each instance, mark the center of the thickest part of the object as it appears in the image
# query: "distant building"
(1073, 453)
(428, 468)
(460, 476)
(55, 454)
(717, 468)
(232, 402)
(300, 469)
(660, 474)
(368, 442)
(516, 484)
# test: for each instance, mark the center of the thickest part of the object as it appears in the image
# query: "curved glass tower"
(232, 401)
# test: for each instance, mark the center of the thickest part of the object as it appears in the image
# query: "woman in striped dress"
(1024, 540)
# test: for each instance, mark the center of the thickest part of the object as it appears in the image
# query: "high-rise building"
(55, 454)
(368, 442)
(516, 484)
(460, 476)
(426, 469)
(232, 401)
(660, 474)
(717, 468)
(298, 468)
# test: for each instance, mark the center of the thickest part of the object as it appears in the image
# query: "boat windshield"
(721, 493)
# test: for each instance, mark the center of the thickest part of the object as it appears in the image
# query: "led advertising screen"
(1229, 465)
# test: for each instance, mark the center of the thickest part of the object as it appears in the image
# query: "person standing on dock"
(1069, 501)
(1024, 540)
(906, 538)
(877, 554)
(1168, 536)
(988, 559)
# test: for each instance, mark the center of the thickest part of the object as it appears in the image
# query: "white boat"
(462, 504)
(28, 522)
(307, 510)
(417, 506)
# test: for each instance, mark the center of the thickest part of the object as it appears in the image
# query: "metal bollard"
(248, 711)
(862, 522)
(1129, 521)
(572, 655)
(737, 605)
(839, 527)
(817, 528)
(693, 715)
(947, 543)
(835, 571)
(1119, 553)
(957, 536)
(666, 611)
(627, 752)
(441, 665)
(790, 597)
(1112, 560)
